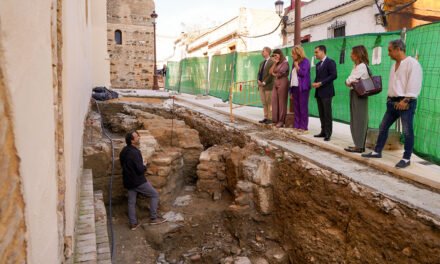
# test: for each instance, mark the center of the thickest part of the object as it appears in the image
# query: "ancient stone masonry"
(131, 61)
(173, 133)
(258, 172)
(250, 179)
(211, 171)
(169, 147)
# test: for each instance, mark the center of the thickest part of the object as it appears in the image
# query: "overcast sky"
(177, 15)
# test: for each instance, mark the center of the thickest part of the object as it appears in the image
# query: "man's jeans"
(407, 117)
(147, 190)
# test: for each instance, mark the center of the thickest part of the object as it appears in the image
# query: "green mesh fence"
(248, 65)
(246, 71)
(221, 75)
(194, 76)
(424, 43)
(172, 79)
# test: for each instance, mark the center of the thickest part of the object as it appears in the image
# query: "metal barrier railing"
(247, 93)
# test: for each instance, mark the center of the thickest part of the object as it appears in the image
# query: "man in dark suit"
(265, 85)
(325, 75)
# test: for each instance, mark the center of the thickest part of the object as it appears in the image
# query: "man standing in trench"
(133, 175)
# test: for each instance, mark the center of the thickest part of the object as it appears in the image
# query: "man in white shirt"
(404, 87)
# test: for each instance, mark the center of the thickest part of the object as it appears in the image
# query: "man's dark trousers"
(325, 115)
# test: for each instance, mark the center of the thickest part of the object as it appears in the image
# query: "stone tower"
(130, 43)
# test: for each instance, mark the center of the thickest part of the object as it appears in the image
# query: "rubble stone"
(155, 234)
(245, 186)
(182, 200)
(121, 123)
(264, 199)
(242, 260)
(147, 144)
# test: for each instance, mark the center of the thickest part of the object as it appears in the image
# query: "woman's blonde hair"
(299, 51)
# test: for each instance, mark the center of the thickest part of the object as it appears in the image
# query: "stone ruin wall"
(172, 163)
(316, 215)
(131, 63)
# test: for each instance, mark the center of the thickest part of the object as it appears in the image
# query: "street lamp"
(153, 18)
(279, 8)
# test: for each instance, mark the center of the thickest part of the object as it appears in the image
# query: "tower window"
(118, 37)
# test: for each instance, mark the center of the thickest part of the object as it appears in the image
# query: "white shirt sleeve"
(359, 72)
(415, 77)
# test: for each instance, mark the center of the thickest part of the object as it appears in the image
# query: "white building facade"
(251, 30)
(323, 19)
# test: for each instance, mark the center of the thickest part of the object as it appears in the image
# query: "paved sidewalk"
(420, 170)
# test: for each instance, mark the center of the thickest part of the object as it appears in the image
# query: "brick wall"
(12, 220)
(131, 63)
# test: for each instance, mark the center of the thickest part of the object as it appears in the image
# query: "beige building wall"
(101, 59)
(77, 85)
(49, 98)
(131, 62)
(28, 76)
(12, 240)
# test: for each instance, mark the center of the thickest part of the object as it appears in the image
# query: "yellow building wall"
(419, 13)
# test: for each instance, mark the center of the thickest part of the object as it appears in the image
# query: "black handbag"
(368, 87)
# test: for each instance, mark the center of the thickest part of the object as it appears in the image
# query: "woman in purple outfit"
(300, 88)
(280, 69)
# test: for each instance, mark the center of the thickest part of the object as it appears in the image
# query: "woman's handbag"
(368, 87)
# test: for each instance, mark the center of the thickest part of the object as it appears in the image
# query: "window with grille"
(339, 32)
(336, 29)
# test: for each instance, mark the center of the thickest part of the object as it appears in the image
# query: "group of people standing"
(276, 82)
(274, 87)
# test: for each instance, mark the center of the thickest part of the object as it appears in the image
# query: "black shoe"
(354, 149)
(268, 122)
(371, 155)
(402, 164)
(320, 135)
(263, 121)
(134, 226)
(157, 221)
(326, 138)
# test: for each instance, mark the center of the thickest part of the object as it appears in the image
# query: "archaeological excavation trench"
(239, 194)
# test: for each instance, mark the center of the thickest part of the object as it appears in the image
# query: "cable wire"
(263, 35)
(109, 215)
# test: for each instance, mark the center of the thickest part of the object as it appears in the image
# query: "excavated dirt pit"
(199, 193)
(233, 198)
